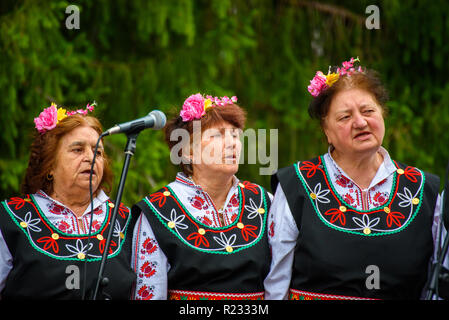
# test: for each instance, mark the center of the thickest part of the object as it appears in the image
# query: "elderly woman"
(49, 236)
(353, 223)
(203, 236)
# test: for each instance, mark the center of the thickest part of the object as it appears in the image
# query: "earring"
(49, 177)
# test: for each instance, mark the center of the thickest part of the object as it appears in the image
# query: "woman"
(353, 223)
(49, 236)
(203, 236)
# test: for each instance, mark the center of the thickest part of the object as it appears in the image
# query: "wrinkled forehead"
(352, 98)
(81, 136)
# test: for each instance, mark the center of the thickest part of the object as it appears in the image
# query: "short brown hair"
(230, 113)
(368, 80)
(43, 155)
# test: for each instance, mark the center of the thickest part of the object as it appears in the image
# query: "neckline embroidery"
(47, 238)
(336, 213)
(245, 231)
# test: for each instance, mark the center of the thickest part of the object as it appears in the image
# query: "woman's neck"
(216, 186)
(76, 203)
(360, 168)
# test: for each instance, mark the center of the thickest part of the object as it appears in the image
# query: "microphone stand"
(436, 275)
(129, 152)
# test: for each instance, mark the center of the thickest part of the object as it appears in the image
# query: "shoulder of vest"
(287, 174)
(142, 206)
(282, 173)
(431, 179)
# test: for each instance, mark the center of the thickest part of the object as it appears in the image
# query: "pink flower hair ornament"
(51, 116)
(196, 105)
(321, 81)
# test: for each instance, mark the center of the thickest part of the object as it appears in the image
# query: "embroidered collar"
(200, 204)
(243, 232)
(46, 232)
(182, 178)
(43, 198)
(391, 217)
(386, 169)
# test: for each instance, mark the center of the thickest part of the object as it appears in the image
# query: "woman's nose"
(230, 140)
(88, 155)
(359, 121)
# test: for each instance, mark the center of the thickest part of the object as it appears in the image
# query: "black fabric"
(40, 264)
(198, 269)
(286, 178)
(330, 261)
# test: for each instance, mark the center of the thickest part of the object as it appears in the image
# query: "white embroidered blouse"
(149, 261)
(284, 231)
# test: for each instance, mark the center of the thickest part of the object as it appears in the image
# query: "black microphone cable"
(83, 296)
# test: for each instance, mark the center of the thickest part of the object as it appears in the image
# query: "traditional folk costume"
(328, 235)
(43, 243)
(187, 249)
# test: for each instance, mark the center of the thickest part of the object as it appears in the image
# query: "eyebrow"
(82, 144)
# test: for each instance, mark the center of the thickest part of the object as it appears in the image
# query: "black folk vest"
(46, 261)
(228, 262)
(339, 249)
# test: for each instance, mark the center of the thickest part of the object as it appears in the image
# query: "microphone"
(155, 119)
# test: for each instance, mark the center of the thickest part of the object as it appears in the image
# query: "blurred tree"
(135, 56)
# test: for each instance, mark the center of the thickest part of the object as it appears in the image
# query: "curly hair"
(44, 148)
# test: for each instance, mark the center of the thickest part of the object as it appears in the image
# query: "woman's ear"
(325, 131)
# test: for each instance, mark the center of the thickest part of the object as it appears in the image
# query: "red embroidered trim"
(197, 295)
(305, 295)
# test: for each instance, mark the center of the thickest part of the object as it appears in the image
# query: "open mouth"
(230, 158)
(87, 172)
(362, 135)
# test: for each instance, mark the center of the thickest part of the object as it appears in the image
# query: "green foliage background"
(135, 56)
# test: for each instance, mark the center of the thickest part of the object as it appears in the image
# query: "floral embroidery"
(380, 198)
(56, 239)
(394, 217)
(271, 230)
(205, 220)
(147, 270)
(348, 198)
(198, 234)
(198, 203)
(412, 174)
(49, 243)
(18, 202)
(248, 231)
(199, 239)
(159, 197)
(233, 202)
(58, 209)
(336, 214)
(145, 293)
(390, 213)
(344, 182)
(149, 246)
(309, 167)
(64, 227)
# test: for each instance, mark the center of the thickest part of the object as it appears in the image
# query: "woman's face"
(354, 124)
(218, 151)
(74, 159)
